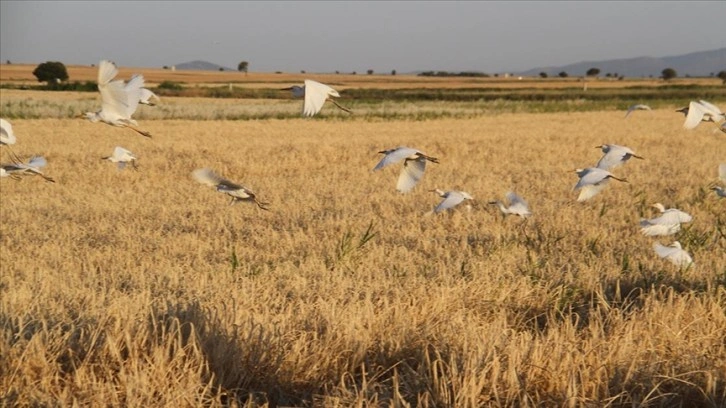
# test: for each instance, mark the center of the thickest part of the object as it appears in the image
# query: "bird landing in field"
(414, 165)
(315, 94)
(236, 191)
(122, 157)
(517, 206)
(674, 253)
(119, 100)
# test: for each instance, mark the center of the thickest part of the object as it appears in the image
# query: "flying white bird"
(28, 169)
(696, 112)
(451, 199)
(674, 253)
(517, 206)
(118, 100)
(592, 181)
(236, 191)
(668, 223)
(122, 157)
(147, 96)
(636, 107)
(315, 95)
(614, 156)
(7, 137)
(414, 165)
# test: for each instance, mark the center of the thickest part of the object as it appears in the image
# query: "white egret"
(31, 168)
(414, 165)
(315, 95)
(118, 100)
(614, 156)
(696, 112)
(236, 191)
(633, 108)
(122, 157)
(517, 206)
(147, 96)
(7, 137)
(668, 223)
(451, 199)
(674, 253)
(592, 181)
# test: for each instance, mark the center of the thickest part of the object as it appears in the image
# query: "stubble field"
(145, 288)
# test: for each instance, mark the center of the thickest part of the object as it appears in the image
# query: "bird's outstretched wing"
(315, 96)
(6, 132)
(694, 116)
(451, 200)
(517, 205)
(147, 96)
(411, 174)
(395, 156)
(207, 176)
(107, 71)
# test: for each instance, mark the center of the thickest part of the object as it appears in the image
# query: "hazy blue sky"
(356, 36)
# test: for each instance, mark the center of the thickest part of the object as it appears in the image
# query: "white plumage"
(315, 95)
(674, 253)
(147, 96)
(33, 167)
(668, 223)
(592, 181)
(517, 206)
(614, 156)
(701, 111)
(451, 199)
(414, 165)
(122, 157)
(118, 100)
(238, 192)
(633, 108)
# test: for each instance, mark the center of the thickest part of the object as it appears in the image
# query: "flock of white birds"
(119, 101)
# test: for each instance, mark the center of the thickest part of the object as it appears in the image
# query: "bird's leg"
(342, 108)
(46, 177)
(14, 157)
(262, 205)
(134, 165)
(139, 131)
(619, 179)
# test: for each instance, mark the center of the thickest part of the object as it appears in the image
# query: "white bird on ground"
(236, 191)
(451, 199)
(118, 100)
(147, 96)
(517, 206)
(674, 253)
(592, 181)
(28, 169)
(414, 165)
(696, 112)
(7, 137)
(636, 107)
(122, 157)
(614, 156)
(668, 223)
(315, 95)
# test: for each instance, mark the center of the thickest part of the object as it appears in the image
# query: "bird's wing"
(611, 159)
(517, 205)
(711, 108)
(207, 176)
(114, 100)
(663, 251)
(37, 162)
(395, 156)
(694, 116)
(451, 200)
(722, 171)
(146, 96)
(133, 93)
(589, 191)
(6, 132)
(650, 229)
(107, 71)
(315, 96)
(412, 172)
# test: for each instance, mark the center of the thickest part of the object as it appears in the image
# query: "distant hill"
(701, 63)
(200, 66)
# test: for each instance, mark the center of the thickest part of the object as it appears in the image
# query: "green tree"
(722, 76)
(243, 66)
(543, 75)
(369, 72)
(51, 72)
(562, 74)
(668, 73)
(592, 72)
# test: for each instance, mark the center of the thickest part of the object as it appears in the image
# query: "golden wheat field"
(144, 288)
